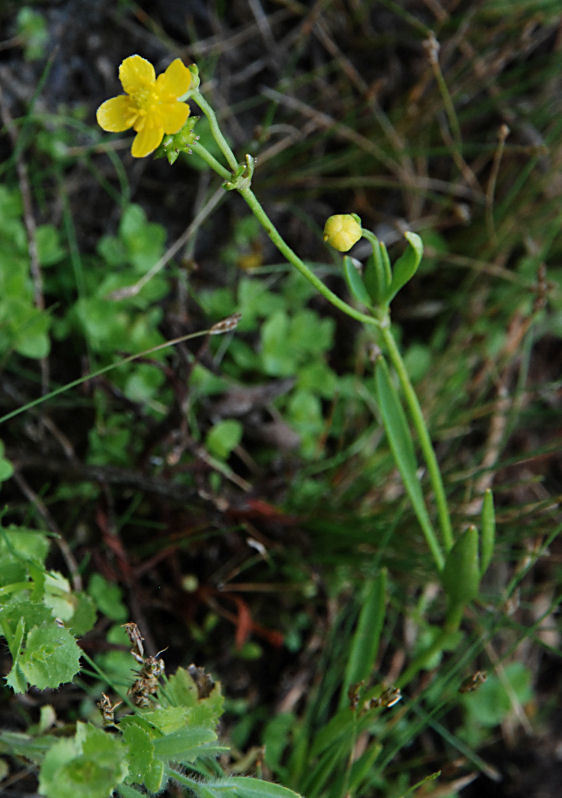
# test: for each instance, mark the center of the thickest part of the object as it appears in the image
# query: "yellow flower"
(342, 231)
(150, 105)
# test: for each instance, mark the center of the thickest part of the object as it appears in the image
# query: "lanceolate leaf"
(365, 642)
(488, 526)
(355, 282)
(406, 265)
(401, 444)
(377, 274)
(461, 574)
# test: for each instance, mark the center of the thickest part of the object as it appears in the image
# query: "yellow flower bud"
(342, 231)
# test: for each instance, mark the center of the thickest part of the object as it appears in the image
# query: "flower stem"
(215, 129)
(256, 208)
(210, 160)
(423, 435)
(450, 627)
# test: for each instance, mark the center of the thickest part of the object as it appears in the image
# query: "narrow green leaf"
(129, 792)
(406, 265)
(376, 275)
(402, 447)
(247, 787)
(340, 725)
(488, 526)
(183, 744)
(365, 641)
(355, 282)
(362, 767)
(461, 574)
(241, 787)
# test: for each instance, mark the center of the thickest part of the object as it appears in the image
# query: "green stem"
(215, 129)
(394, 354)
(99, 372)
(210, 160)
(423, 435)
(261, 215)
(294, 259)
(450, 627)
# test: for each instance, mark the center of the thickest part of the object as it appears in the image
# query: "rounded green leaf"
(223, 437)
(51, 656)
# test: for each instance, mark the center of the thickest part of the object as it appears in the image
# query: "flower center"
(143, 98)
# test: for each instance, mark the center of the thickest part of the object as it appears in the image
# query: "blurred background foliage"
(236, 494)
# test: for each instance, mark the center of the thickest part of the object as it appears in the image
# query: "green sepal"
(461, 573)
(195, 79)
(355, 282)
(488, 536)
(406, 265)
(175, 143)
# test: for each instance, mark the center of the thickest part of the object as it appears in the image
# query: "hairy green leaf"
(51, 656)
(89, 765)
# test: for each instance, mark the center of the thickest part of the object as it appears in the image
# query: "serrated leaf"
(168, 719)
(179, 690)
(15, 678)
(89, 765)
(143, 768)
(406, 265)
(58, 595)
(461, 574)
(107, 596)
(20, 543)
(51, 656)
(22, 610)
(84, 615)
(355, 282)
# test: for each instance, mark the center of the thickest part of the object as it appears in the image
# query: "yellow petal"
(173, 116)
(136, 73)
(116, 114)
(146, 141)
(175, 81)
